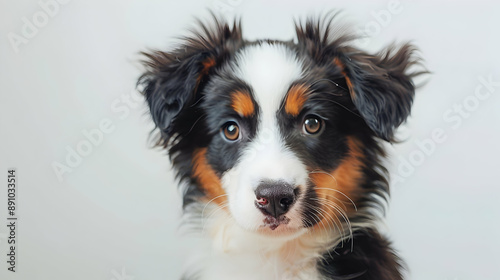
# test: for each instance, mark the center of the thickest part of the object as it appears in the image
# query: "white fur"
(269, 70)
(241, 254)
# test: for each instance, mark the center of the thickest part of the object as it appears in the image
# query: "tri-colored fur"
(277, 146)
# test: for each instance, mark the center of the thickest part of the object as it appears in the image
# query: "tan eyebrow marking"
(242, 103)
(297, 96)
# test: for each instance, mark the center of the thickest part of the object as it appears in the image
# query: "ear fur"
(380, 85)
(173, 80)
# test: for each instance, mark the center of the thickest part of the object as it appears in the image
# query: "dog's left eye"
(231, 131)
(312, 125)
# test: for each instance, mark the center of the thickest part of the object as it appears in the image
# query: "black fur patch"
(367, 256)
(173, 86)
(222, 154)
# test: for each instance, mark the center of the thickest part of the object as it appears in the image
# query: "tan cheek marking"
(332, 188)
(341, 65)
(207, 178)
(297, 96)
(242, 103)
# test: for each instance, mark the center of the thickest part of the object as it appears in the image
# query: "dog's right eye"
(231, 131)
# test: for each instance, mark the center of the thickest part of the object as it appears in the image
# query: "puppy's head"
(282, 135)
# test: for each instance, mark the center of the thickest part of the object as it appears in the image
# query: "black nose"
(274, 197)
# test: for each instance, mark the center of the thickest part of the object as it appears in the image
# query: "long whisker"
(318, 220)
(336, 207)
(335, 190)
(194, 124)
(205, 221)
(208, 203)
(344, 216)
(333, 206)
(331, 81)
(332, 222)
(341, 105)
(318, 210)
(342, 203)
(336, 184)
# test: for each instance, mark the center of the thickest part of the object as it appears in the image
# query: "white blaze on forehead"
(269, 69)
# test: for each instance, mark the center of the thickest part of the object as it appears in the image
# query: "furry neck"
(237, 253)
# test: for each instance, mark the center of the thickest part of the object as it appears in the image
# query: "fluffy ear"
(380, 85)
(173, 80)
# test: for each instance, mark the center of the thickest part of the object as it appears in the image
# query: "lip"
(282, 232)
(273, 223)
(278, 227)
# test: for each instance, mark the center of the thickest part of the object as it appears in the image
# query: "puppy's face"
(276, 141)
(277, 134)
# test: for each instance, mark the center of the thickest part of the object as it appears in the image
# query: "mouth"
(273, 223)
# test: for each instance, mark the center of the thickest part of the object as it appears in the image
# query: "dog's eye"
(312, 125)
(231, 131)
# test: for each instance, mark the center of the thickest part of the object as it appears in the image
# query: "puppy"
(278, 148)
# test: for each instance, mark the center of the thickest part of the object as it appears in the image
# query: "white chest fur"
(239, 254)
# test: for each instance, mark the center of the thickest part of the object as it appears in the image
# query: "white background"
(115, 216)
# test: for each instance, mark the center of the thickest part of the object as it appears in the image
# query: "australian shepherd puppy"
(278, 147)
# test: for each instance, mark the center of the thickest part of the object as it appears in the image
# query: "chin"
(278, 148)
